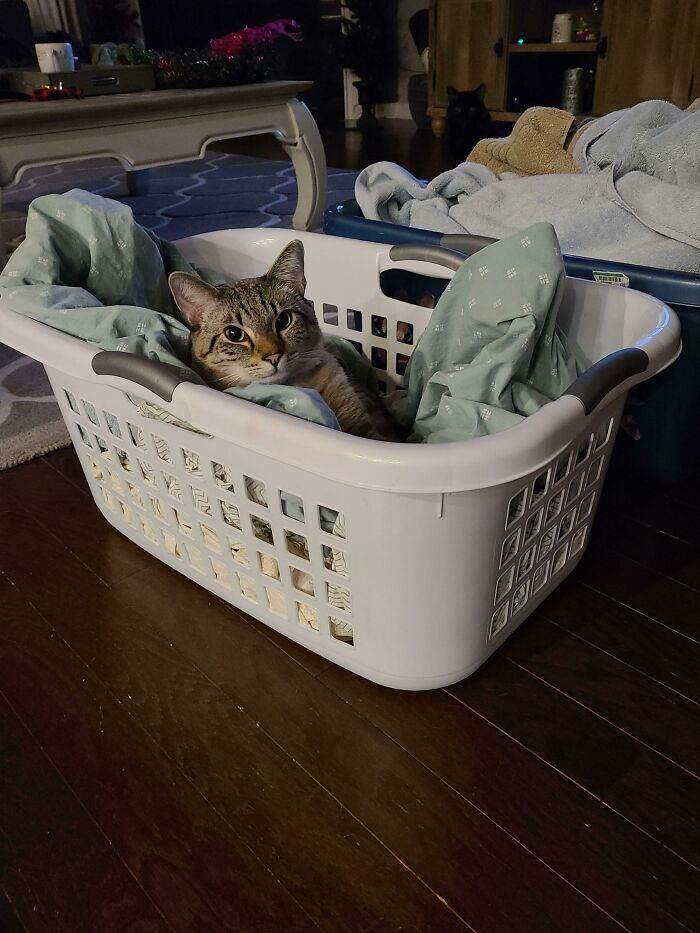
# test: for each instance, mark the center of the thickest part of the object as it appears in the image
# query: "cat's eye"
(234, 334)
(283, 320)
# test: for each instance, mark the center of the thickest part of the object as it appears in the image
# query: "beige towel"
(538, 144)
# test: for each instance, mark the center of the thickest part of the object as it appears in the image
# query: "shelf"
(557, 47)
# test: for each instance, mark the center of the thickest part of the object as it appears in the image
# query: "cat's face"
(254, 330)
(466, 105)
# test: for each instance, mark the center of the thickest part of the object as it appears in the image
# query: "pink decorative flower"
(235, 42)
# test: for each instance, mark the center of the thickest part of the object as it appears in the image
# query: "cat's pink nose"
(273, 358)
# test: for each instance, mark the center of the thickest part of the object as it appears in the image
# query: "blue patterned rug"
(216, 193)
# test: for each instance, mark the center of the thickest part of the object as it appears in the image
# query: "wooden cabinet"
(649, 54)
(642, 50)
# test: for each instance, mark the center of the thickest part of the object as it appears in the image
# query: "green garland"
(199, 68)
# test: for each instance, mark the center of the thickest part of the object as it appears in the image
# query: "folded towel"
(535, 146)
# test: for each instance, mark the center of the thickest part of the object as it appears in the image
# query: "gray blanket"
(636, 199)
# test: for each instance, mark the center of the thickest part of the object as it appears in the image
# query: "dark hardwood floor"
(167, 763)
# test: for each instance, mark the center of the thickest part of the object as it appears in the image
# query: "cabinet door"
(464, 35)
(649, 55)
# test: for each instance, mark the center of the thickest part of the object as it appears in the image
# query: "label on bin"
(612, 278)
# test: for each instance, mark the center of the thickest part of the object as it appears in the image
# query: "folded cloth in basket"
(88, 269)
(492, 353)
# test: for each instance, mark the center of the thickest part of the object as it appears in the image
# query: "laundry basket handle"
(424, 252)
(157, 377)
(467, 243)
(602, 377)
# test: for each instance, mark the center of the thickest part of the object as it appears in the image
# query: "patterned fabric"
(492, 353)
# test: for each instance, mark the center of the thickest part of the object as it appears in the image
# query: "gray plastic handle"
(466, 243)
(424, 252)
(592, 386)
(157, 377)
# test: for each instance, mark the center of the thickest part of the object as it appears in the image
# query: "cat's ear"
(193, 297)
(288, 268)
(480, 92)
(451, 93)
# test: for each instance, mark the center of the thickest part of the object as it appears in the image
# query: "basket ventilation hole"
(516, 507)
(554, 505)
(183, 523)
(158, 510)
(539, 577)
(96, 470)
(498, 620)
(149, 531)
(602, 435)
(292, 506)
(404, 332)
(221, 574)
(520, 596)
(378, 326)
(574, 488)
(401, 363)
(297, 545)
(307, 616)
(192, 462)
(103, 448)
(269, 565)
(577, 541)
(546, 542)
(84, 436)
(210, 538)
(276, 601)
(239, 552)
(91, 412)
(586, 507)
(338, 597)
(335, 560)
(129, 516)
(124, 461)
(567, 523)
(262, 529)
(172, 486)
(255, 491)
(135, 494)
(196, 559)
(559, 558)
(110, 501)
(171, 545)
(331, 521)
(562, 468)
(302, 581)
(379, 358)
(230, 515)
(201, 500)
(148, 473)
(532, 526)
(247, 587)
(505, 582)
(137, 436)
(117, 484)
(357, 346)
(162, 449)
(539, 488)
(510, 546)
(382, 386)
(525, 563)
(112, 423)
(594, 472)
(223, 476)
(582, 450)
(70, 398)
(354, 319)
(330, 314)
(341, 631)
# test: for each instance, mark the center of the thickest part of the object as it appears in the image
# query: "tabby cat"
(264, 330)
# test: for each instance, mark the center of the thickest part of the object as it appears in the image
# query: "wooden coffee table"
(150, 128)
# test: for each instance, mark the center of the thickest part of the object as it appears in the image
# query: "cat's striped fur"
(264, 330)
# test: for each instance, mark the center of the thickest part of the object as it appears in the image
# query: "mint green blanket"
(491, 353)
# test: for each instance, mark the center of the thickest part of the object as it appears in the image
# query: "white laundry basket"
(408, 564)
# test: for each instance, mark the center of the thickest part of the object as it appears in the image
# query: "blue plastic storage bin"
(665, 411)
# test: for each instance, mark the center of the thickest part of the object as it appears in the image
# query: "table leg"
(309, 160)
(137, 181)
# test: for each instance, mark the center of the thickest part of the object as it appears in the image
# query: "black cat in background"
(467, 121)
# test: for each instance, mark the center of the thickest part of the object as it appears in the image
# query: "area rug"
(219, 192)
